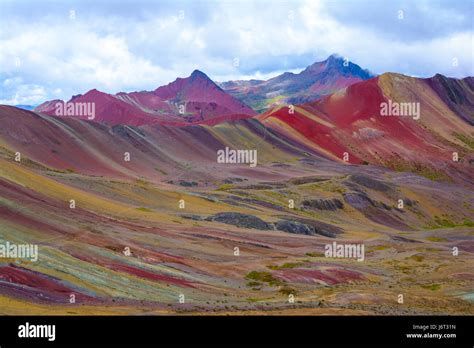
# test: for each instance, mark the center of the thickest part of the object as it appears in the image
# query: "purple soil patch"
(375, 211)
(463, 276)
(22, 283)
(467, 246)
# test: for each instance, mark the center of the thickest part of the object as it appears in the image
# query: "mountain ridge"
(183, 101)
(350, 121)
(197, 98)
(313, 82)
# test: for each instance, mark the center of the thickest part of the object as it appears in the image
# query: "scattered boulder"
(188, 183)
(323, 204)
(307, 227)
(295, 227)
(358, 200)
(192, 217)
(370, 183)
(240, 220)
(403, 239)
(233, 180)
(409, 202)
(286, 224)
(324, 229)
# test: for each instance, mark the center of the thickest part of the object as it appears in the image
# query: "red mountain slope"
(351, 120)
(201, 93)
(187, 100)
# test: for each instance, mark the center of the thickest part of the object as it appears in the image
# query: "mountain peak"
(333, 61)
(93, 91)
(204, 97)
(335, 57)
(336, 60)
(345, 67)
(318, 79)
(439, 76)
(199, 74)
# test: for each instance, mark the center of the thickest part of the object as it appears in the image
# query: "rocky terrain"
(169, 230)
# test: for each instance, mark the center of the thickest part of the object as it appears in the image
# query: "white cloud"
(26, 94)
(52, 56)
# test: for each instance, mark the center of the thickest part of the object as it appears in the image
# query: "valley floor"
(129, 248)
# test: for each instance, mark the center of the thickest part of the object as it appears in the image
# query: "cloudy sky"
(55, 49)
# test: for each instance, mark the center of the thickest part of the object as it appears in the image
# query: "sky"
(56, 49)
